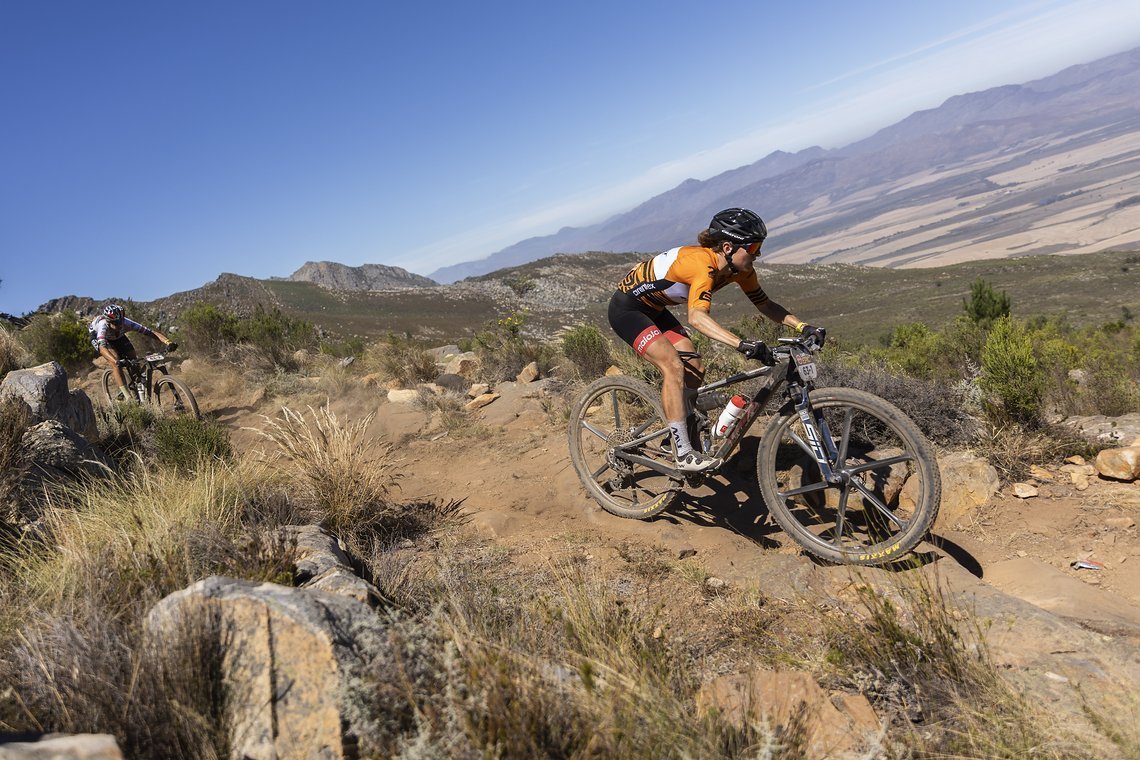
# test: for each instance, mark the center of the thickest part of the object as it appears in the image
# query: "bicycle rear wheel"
(620, 414)
(172, 397)
(889, 490)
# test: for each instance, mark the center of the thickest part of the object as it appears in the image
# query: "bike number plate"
(805, 365)
(154, 357)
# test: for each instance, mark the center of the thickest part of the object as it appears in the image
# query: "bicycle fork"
(820, 443)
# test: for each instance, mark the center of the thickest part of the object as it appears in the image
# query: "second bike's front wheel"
(172, 397)
(616, 417)
(887, 488)
(109, 388)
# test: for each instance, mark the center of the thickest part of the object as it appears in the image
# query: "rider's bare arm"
(780, 315)
(703, 322)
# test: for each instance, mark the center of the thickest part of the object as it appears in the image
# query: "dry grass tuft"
(337, 468)
(13, 355)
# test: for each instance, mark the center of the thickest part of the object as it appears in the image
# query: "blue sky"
(149, 146)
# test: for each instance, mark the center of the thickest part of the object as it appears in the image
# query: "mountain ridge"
(806, 196)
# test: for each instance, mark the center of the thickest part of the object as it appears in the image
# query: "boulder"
(403, 396)
(1119, 464)
(291, 661)
(44, 390)
(52, 448)
(452, 382)
(829, 725)
(528, 374)
(1024, 490)
(466, 364)
(480, 401)
(968, 482)
(478, 389)
(1113, 431)
(444, 352)
(62, 747)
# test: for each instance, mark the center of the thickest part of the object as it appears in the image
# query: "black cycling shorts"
(639, 325)
(121, 345)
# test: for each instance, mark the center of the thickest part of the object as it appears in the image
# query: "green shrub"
(184, 442)
(399, 358)
(276, 336)
(1011, 372)
(58, 338)
(588, 349)
(270, 336)
(503, 350)
(207, 328)
(986, 305)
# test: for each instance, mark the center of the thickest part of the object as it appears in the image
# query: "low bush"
(588, 349)
(271, 338)
(937, 407)
(59, 338)
(14, 420)
(185, 443)
(503, 350)
(402, 360)
(12, 354)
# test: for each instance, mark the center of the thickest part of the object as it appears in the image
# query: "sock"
(680, 438)
(123, 390)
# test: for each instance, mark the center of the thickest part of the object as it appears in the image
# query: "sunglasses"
(752, 248)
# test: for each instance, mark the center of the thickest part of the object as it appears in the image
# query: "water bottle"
(730, 415)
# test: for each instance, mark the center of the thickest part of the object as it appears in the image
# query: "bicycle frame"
(144, 369)
(820, 444)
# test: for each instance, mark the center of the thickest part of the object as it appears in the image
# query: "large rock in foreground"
(44, 389)
(288, 660)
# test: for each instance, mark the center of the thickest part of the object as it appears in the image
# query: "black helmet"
(738, 225)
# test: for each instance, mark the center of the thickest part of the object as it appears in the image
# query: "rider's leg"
(665, 357)
(112, 358)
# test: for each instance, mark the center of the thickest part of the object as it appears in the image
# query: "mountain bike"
(844, 473)
(149, 380)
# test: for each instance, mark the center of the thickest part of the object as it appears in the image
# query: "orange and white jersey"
(687, 274)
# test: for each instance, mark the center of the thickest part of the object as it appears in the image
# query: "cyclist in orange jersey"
(639, 314)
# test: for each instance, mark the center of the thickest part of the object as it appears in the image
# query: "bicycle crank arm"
(650, 463)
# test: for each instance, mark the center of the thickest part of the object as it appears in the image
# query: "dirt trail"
(513, 472)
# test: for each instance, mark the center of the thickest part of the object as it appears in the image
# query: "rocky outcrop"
(323, 563)
(51, 448)
(793, 705)
(329, 274)
(1111, 431)
(44, 389)
(290, 661)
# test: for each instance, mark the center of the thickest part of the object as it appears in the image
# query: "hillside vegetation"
(858, 304)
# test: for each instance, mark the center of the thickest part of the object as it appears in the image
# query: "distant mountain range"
(1048, 166)
(329, 274)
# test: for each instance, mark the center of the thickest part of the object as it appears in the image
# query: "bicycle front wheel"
(173, 397)
(618, 416)
(887, 492)
(109, 388)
